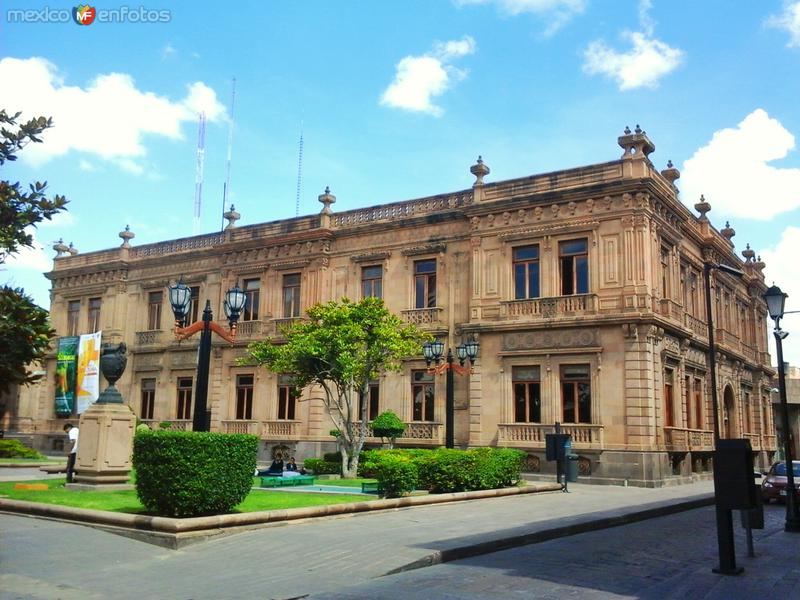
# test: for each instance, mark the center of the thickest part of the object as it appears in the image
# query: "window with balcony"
(372, 397)
(765, 428)
(697, 389)
(576, 394)
(244, 397)
(194, 304)
(669, 398)
(665, 283)
(573, 258)
(687, 394)
(422, 393)
(148, 398)
(527, 394)
(287, 398)
(425, 283)
(252, 291)
(291, 295)
(184, 398)
(73, 316)
(747, 426)
(694, 295)
(372, 282)
(155, 300)
(94, 314)
(526, 272)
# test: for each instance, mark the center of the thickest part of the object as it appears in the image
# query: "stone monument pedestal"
(104, 444)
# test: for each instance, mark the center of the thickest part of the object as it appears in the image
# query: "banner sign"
(88, 370)
(66, 371)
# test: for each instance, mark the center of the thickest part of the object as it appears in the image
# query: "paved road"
(41, 559)
(667, 558)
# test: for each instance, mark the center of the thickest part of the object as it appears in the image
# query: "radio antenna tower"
(226, 188)
(299, 172)
(198, 179)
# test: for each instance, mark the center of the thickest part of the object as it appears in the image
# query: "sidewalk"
(300, 558)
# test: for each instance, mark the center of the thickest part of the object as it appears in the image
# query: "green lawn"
(33, 461)
(127, 502)
(345, 482)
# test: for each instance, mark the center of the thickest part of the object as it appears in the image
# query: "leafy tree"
(25, 332)
(388, 425)
(340, 348)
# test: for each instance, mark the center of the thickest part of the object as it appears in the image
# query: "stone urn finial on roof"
(702, 207)
(231, 216)
(480, 170)
(728, 232)
(636, 144)
(60, 247)
(671, 174)
(127, 235)
(327, 199)
(72, 249)
(748, 254)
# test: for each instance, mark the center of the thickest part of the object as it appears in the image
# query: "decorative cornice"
(426, 249)
(371, 257)
(572, 226)
(290, 264)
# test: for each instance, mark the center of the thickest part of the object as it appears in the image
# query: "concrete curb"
(37, 465)
(593, 524)
(176, 533)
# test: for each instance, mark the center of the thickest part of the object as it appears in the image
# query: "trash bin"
(572, 467)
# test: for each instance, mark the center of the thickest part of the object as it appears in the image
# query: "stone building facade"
(584, 288)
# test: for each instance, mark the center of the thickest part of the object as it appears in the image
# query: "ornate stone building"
(583, 286)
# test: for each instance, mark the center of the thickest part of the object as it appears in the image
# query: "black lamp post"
(725, 544)
(776, 300)
(180, 298)
(432, 351)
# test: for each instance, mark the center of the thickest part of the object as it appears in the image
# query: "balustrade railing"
(583, 435)
(670, 308)
(681, 439)
(280, 429)
(423, 316)
(548, 308)
(250, 329)
(698, 327)
(755, 440)
(151, 337)
(240, 426)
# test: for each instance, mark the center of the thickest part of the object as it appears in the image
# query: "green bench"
(287, 481)
(370, 487)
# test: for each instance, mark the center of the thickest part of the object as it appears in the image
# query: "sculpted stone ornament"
(113, 360)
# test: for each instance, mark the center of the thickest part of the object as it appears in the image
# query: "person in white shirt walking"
(72, 432)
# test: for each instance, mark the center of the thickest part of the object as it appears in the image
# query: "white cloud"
(557, 13)
(31, 258)
(108, 118)
(168, 51)
(789, 20)
(648, 60)
(733, 173)
(419, 79)
(783, 269)
(85, 165)
(60, 219)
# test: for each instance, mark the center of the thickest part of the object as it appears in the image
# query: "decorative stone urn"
(105, 440)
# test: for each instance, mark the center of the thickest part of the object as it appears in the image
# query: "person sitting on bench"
(275, 469)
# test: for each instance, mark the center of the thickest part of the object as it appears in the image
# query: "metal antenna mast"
(299, 172)
(227, 186)
(198, 179)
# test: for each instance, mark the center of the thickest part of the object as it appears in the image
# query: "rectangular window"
(748, 414)
(194, 304)
(765, 429)
(154, 302)
(287, 398)
(244, 397)
(665, 273)
(372, 282)
(422, 392)
(576, 394)
(526, 272)
(291, 295)
(574, 260)
(698, 403)
(73, 316)
(687, 391)
(148, 398)
(425, 283)
(252, 289)
(527, 395)
(693, 295)
(373, 395)
(94, 314)
(184, 398)
(669, 406)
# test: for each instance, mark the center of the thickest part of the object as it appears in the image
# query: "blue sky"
(396, 100)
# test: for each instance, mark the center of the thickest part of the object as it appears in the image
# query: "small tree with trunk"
(389, 426)
(341, 348)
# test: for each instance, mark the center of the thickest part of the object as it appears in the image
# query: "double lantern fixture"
(180, 297)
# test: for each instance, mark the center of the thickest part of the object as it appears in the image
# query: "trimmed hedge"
(447, 470)
(397, 475)
(320, 466)
(16, 449)
(190, 474)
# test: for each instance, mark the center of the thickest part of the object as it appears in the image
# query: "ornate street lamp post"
(432, 351)
(180, 297)
(776, 300)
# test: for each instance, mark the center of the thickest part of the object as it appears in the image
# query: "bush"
(16, 449)
(190, 474)
(320, 466)
(333, 457)
(388, 425)
(397, 475)
(369, 459)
